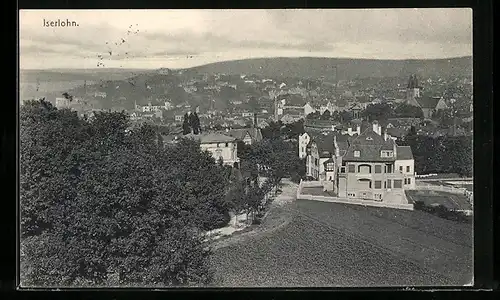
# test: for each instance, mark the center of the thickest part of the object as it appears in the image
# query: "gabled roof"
(404, 152)
(428, 102)
(369, 144)
(240, 133)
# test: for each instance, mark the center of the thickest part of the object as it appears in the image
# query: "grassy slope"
(330, 244)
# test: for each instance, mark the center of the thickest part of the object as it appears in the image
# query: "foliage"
(278, 129)
(346, 116)
(445, 154)
(378, 112)
(408, 111)
(103, 200)
(443, 212)
(326, 115)
(314, 115)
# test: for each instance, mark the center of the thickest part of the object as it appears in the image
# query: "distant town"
(442, 106)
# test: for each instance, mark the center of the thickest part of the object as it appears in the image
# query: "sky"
(154, 39)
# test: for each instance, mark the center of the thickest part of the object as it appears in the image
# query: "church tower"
(412, 91)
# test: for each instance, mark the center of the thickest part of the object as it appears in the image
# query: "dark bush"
(443, 212)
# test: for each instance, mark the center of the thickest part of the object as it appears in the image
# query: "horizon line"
(252, 58)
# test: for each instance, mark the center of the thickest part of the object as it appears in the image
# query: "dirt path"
(278, 216)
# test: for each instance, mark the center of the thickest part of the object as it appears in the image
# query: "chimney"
(349, 131)
(379, 130)
(358, 129)
(385, 134)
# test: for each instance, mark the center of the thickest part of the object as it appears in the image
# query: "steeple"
(412, 91)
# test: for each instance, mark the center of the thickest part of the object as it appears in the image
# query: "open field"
(329, 244)
(449, 200)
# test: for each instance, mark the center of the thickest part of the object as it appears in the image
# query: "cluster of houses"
(223, 145)
(365, 163)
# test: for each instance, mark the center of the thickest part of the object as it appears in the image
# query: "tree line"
(103, 201)
(99, 198)
(444, 154)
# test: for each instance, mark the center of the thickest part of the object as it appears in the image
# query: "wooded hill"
(347, 68)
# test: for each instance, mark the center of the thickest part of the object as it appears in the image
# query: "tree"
(336, 116)
(194, 122)
(326, 115)
(346, 116)
(97, 200)
(186, 127)
(408, 111)
(314, 115)
(378, 112)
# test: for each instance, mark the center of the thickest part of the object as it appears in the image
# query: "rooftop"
(404, 152)
(203, 138)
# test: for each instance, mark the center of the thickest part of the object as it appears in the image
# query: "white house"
(219, 145)
(308, 109)
(304, 140)
(62, 103)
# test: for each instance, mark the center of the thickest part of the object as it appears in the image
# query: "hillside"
(54, 75)
(311, 67)
(337, 245)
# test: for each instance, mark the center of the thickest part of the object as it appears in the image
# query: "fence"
(355, 201)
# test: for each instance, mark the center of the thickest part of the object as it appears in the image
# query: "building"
(430, 105)
(247, 135)
(412, 91)
(100, 94)
(322, 150)
(329, 106)
(62, 103)
(308, 109)
(219, 145)
(375, 168)
(356, 110)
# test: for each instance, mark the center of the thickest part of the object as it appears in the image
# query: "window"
(407, 169)
(378, 184)
(330, 178)
(303, 150)
(385, 153)
(329, 167)
(343, 163)
(342, 170)
(218, 145)
(388, 183)
(227, 145)
(398, 183)
(316, 161)
(385, 184)
(406, 182)
(409, 180)
(352, 168)
(365, 169)
(356, 153)
(388, 168)
(401, 168)
(378, 169)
